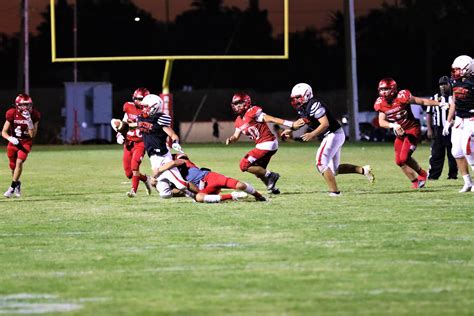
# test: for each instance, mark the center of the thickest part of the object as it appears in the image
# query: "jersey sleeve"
(378, 104)
(318, 110)
(258, 114)
(10, 115)
(164, 120)
(404, 96)
(124, 107)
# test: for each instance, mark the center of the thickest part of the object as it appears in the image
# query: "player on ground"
(462, 107)
(133, 147)
(252, 121)
(155, 127)
(21, 125)
(395, 113)
(210, 183)
(323, 125)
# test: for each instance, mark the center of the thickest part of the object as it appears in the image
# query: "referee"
(440, 145)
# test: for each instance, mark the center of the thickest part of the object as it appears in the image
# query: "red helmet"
(138, 96)
(23, 102)
(241, 102)
(387, 88)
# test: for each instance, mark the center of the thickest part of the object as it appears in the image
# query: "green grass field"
(74, 242)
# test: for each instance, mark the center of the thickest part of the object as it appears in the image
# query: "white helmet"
(462, 67)
(301, 94)
(151, 105)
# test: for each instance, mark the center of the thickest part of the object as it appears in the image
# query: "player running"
(395, 113)
(252, 121)
(323, 125)
(21, 126)
(132, 140)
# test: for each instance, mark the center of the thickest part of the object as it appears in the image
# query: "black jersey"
(154, 136)
(463, 91)
(313, 111)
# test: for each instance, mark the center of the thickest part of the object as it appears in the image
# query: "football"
(119, 126)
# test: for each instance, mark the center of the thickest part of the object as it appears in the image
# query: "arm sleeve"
(318, 110)
(164, 120)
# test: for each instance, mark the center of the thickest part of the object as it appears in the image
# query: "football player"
(155, 127)
(133, 147)
(461, 117)
(322, 124)
(252, 121)
(210, 183)
(395, 113)
(20, 128)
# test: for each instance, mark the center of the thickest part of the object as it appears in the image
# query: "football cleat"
(260, 198)
(422, 179)
(9, 192)
(272, 180)
(335, 194)
(148, 185)
(238, 195)
(414, 185)
(17, 191)
(131, 194)
(466, 188)
(368, 173)
(274, 191)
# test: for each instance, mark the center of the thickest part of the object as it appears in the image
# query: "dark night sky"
(303, 13)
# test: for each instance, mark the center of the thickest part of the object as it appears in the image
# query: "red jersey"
(18, 123)
(131, 115)
(252, 125)
(399, 111)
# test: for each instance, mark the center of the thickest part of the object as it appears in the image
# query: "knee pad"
(400, 162)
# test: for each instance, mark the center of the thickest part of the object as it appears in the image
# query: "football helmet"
(241, 102)
(301, 94)
(152, 104)
(387, 88)
(462, 67)
(23, 102)
(138, 96)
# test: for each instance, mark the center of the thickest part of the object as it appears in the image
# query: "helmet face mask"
(387, 89)
(151, 105)
(139, 95)
(300, 95)
(462, 67)
(23, 103)
(241, 102)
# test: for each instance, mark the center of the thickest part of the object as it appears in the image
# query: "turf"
(74, 242)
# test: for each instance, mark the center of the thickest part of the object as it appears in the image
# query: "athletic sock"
(267, 173)
(249, 188)
(15, 184)
(467, 179)
(227, 196)
(135, 181)
(143, 177)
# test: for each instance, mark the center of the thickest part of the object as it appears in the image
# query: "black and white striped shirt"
(439, 116)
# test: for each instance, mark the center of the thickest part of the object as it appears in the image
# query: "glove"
(120, 139)
(176, 146)
(444, 105)
(13, 140)
(446, 128)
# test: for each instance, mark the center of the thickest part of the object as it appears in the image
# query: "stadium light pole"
(25, 46)
(351, 70)
(74, 30)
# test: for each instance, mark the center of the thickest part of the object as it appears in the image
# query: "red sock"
(226, 197)
(143, 177)
(135, 181)
(422, 172)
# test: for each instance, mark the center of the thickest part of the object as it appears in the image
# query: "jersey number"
(253, 132)
(18, 131)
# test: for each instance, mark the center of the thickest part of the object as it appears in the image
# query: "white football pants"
(462, 138)
(329, 152)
